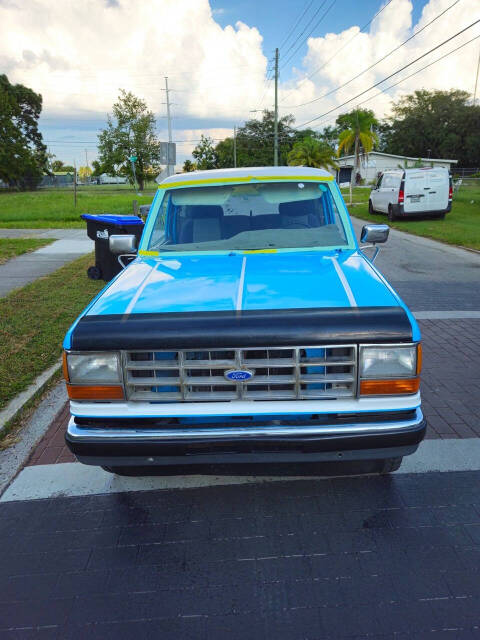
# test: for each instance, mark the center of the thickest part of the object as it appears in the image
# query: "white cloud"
(78, 57)
(389, 29)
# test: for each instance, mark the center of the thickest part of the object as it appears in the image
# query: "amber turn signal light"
(95, 392)
(65, 367)
(389, 387)
(419, 358)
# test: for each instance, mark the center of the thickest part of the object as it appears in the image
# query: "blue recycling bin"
(99, 228)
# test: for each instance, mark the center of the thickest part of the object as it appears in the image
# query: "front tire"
(371, 210)
(391, 215)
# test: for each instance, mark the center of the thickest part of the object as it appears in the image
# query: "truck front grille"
(295, 373)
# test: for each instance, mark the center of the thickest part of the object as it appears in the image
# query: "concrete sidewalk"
(70, 244)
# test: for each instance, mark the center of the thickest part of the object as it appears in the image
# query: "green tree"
(310, 152)
(224, 153)
(330, 135)
(436, 124)
(130, 132)
(255, 142)
(204, 154)
(188, 166)
(357, 132)
(57, 165)
(97, 168)
(23, 156)
(84, 173)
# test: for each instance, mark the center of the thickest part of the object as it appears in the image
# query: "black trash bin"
(99, 228)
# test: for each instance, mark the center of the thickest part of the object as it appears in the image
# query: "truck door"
(437, 182)
(416, 191)
(375, 195)
(389, 191)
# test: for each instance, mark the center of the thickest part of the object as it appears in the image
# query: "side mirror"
(122, 244)
(375, 233)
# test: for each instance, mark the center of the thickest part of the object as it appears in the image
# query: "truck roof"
(246, 172)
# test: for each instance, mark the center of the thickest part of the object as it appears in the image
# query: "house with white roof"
(376, 162)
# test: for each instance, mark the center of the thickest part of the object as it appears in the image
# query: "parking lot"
(85, 555)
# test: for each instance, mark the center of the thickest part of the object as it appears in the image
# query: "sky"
(218, 56)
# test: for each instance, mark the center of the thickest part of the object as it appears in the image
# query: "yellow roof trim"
(260, 251)
(142, 252)
(187, 183)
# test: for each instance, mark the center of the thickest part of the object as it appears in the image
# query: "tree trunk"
(355, 170)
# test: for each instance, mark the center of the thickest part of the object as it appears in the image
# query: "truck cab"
(250, 328)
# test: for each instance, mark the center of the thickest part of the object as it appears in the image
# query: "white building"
(378, 162)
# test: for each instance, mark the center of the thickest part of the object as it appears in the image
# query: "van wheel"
(389, 465)
(440, 216)
(390, 214)
(371, 210)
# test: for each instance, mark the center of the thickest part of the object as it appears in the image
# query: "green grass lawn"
(11, 247)
(54, 208)
(360, 194)
(28, 347)
(459, 227)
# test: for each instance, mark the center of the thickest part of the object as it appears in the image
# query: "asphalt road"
(362, 558)
(427, 274)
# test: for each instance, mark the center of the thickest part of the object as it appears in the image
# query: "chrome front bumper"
(142, 446)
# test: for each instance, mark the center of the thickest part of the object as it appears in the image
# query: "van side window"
(387, 181)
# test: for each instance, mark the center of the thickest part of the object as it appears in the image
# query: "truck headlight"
(93, 376)
(389, 369)
(93, 367)
(388, 362)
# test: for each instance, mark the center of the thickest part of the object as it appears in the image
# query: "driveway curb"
(17, 404)
(14, 458)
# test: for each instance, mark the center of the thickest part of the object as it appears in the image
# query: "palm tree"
(358, 133)
(309, 152)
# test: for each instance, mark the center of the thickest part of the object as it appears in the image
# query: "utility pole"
(235, 147)
(275, 123)
(86, 157)
(75, 183)
(170, 168)
(476, 81)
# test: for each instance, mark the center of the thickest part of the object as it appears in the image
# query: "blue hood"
(288, 280)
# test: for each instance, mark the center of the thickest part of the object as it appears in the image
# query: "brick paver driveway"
(374, 557)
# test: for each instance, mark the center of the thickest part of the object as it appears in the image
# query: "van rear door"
(416, 191)
(438, 183)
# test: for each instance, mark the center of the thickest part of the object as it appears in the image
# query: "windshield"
(253, 216)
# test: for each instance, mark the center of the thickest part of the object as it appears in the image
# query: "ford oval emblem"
(239, 375)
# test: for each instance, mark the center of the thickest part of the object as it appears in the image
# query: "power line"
(266, 82)
(305, 28)
(285, 40)
(393, 74)
(241, 140)
(341, 48)
(395, 84)
(296, 106)
(310, 33)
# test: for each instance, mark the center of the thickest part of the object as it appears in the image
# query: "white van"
(412, 192)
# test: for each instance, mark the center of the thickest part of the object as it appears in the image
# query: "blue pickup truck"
(249, 328)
